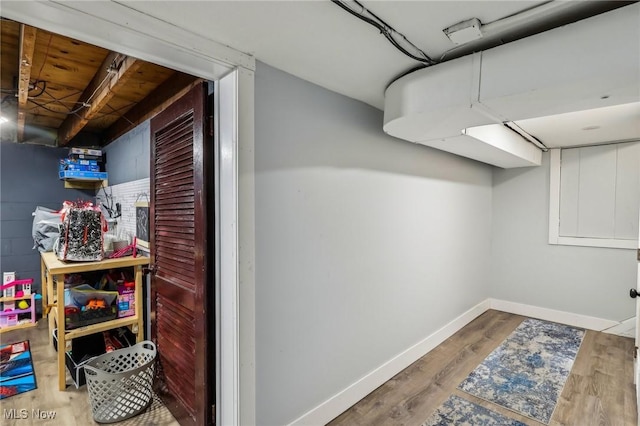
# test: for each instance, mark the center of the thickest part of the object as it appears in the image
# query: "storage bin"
(84, 175)
(120, 382)
(82, 350)
(90, 316)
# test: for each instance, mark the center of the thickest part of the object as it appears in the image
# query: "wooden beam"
(172, 89)
(27, 47)
(112, 75)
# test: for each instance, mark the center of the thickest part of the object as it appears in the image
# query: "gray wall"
(128, 156)
(365, 244)
(526, 269)
(28, 178)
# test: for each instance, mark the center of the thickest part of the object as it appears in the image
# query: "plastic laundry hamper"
(120, 382)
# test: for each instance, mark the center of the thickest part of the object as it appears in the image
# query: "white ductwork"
(590, 64)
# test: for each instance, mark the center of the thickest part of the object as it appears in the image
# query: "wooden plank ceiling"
(71, 89)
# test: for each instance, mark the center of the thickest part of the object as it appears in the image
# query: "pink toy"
(17, 291)
(10, 286)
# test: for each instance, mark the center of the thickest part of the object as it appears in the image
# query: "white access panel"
(627, 191)
(588, 192)
(569, 188)
(600, 192)
(597, 192)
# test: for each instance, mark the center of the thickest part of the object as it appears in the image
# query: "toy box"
(85, 305)
(8, 277)
(85, 151)
(70, 164)
(126, 299)
(75, 174)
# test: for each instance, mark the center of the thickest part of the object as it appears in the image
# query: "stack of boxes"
(82, 163)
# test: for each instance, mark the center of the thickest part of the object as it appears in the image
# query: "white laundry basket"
(120, 382)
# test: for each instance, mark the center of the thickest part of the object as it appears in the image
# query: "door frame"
(121, 28)
(636, 360)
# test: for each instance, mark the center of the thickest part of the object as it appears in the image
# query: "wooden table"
(53, 271)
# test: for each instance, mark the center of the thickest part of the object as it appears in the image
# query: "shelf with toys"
(21, 314)
(83, 169)
(54, 271)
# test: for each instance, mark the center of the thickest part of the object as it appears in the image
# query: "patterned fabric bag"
(81, 233)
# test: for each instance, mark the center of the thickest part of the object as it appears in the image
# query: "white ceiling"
(614, 123)
(323, 44)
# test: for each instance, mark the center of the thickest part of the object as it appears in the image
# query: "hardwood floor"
(599, 390)
(71, 407)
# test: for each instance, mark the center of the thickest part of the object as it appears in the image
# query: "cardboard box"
(82, 175)
(86, 151)
(126, 299)
(85, 157)
(69, 164)
(8, 277)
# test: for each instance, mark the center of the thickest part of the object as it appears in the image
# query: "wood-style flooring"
(71, 407)
(599, 390)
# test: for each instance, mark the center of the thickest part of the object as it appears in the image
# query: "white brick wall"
(126, 194)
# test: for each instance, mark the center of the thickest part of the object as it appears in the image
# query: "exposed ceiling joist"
(169, 91)
(62, 80)
(111, 76)
(27, 47)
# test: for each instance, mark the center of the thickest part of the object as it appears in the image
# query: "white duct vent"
(590, 64)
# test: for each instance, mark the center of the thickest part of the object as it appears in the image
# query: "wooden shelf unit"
(53, 272)
(85, 184)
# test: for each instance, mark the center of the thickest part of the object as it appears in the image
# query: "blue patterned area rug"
(16, 369)
(459, 411)
(527, 372)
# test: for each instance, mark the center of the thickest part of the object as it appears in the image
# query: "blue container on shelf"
(82, 175)
(69, 164)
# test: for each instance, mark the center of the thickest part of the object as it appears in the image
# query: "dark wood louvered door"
(181, 222)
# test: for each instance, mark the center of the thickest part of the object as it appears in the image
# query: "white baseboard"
(576, 320)
(626, 328)
(637, 381)
(337, 404)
